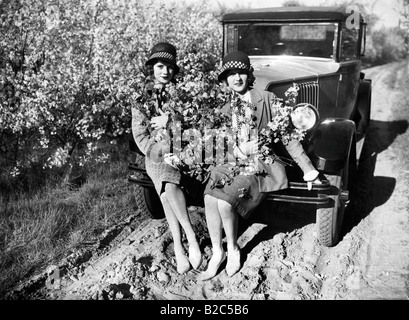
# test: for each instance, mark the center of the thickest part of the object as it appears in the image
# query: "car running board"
(320, 193)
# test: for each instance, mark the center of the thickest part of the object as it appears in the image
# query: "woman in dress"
(244, 192)
(167, 180)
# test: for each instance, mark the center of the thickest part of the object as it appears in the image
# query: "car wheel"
(147, 200)
(153, 204)
(329, 219)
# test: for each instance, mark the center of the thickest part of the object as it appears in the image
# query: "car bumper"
(297, 192)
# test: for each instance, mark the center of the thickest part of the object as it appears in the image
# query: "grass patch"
(38, 230)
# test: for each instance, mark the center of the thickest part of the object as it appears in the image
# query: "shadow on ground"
(369, 191)
(366, 192)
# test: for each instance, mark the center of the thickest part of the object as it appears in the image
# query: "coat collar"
(256, 97)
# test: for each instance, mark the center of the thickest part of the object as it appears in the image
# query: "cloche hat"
(163, 51)
(234, 60)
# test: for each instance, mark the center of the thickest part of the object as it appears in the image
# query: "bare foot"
(233, 262)
(195, 255)
(182, 262)
(217, 259)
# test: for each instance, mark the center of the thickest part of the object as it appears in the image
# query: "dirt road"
(282, 258)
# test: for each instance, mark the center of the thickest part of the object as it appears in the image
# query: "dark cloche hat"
(234, 60)
(163, 51)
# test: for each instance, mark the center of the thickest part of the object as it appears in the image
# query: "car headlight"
(304, 116)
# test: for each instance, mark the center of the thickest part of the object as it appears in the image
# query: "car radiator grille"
(308, 93)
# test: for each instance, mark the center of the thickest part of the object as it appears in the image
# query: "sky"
(386, 10)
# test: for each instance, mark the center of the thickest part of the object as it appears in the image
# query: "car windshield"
(306, 39)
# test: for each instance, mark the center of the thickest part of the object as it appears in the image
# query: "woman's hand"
(161, 121)
(312, 177)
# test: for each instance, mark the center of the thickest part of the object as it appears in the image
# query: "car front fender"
(332, 144)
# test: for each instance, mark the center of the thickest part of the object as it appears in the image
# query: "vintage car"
(320, 49)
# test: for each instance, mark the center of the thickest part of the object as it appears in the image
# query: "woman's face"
(238, 80)
(163, 72)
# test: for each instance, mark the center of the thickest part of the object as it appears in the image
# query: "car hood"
(269, 69)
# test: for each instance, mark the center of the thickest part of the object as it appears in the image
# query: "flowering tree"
(69, 71)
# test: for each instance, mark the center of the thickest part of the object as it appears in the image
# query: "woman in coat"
(242, 195)
(167, 180)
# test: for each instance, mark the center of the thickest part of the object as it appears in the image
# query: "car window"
(305, 32)
(349, 43)
(285, 39)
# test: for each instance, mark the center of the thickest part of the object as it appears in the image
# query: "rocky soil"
(282, 258)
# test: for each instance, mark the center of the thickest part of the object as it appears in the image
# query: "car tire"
(147, 199)
(153, 204)
(330, 219)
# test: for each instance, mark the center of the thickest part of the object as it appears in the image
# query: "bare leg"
(214, 224)
(177, 201)
(182, 262)
(230, 223)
